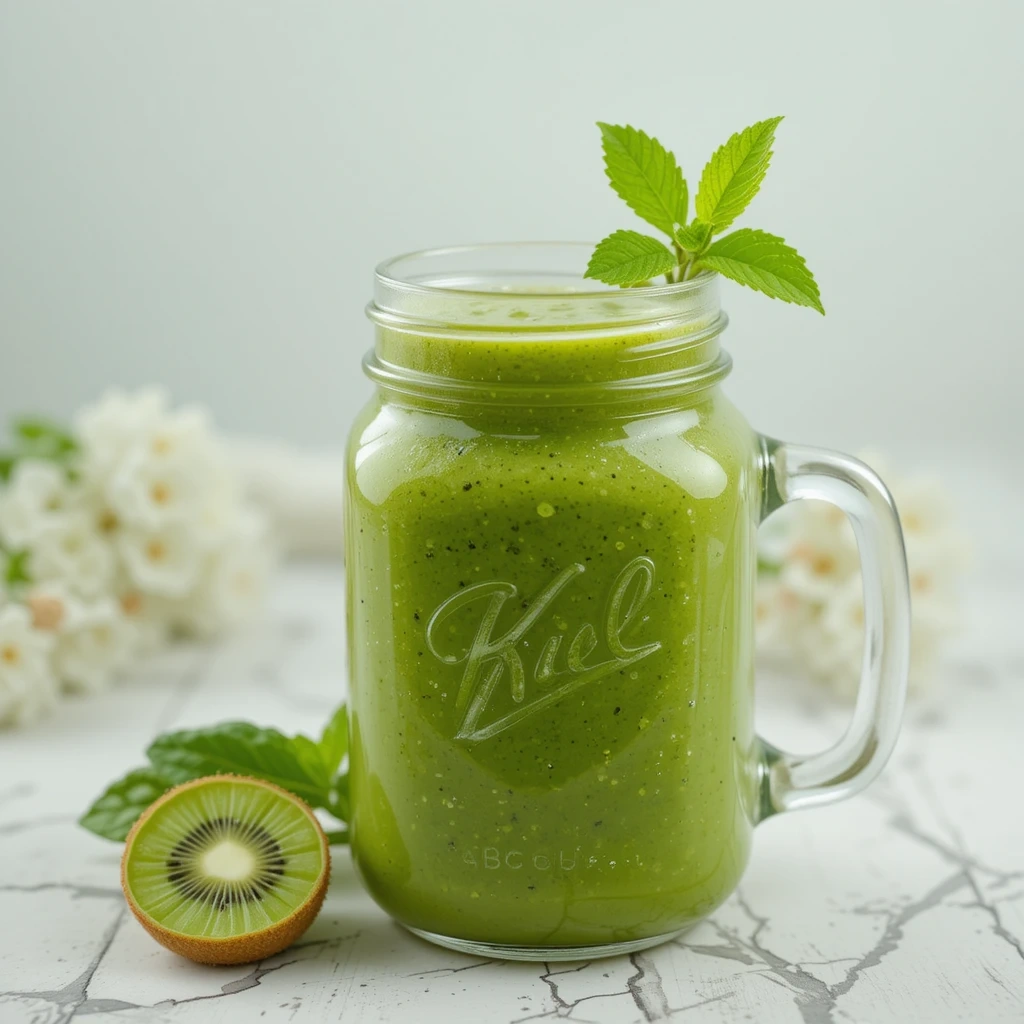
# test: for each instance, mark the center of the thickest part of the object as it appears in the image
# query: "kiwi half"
(226, 869)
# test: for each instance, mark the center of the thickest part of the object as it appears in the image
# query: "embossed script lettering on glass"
(489, 658)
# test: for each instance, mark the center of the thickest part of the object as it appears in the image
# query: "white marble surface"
(904, 904)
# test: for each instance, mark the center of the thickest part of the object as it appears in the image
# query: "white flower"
(834, 650)
(778, 612)
(222, 512)
(234, 580)
(183, 432)
(70, 548)
(165, 561)
(815, 606)
(150, 617)
(95, 642)
(822, 552)
(152, 491)
(112, 425)
(152, 534)
(27, 686)
(36, 491)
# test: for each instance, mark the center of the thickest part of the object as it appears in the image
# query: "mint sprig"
(648, 178)
(309, 769)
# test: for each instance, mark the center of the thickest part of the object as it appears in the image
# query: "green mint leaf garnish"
(311, 759)
(734, 174)
(645, 175)
(239, 748)
(340, 805)
(334, 740)
(765, 263)
(307, 768)
(113, 814)
(627, 257)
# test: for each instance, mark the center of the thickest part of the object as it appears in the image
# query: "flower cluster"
(113, 538)
(810, 602)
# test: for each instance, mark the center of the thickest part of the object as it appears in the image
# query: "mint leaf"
(734, 174)
(240, 748)
(627, 257)
(306, 768)
(113, 814)
(340, 805)
(334, 740)
(694, 237)
(312, 760)
(645, 175)
(765, 263)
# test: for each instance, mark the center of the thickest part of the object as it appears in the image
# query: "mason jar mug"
(551, 527)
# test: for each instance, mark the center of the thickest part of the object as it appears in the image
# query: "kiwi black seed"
(226, 869)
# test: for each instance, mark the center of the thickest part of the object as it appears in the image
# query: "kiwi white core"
(228, 861)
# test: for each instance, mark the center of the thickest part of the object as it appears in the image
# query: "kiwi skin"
(241, 949)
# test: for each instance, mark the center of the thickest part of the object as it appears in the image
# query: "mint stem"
(673, 275)
(338, 837)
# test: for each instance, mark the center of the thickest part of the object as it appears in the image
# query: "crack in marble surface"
(646, 988)
(11, 828)
(230, 988)
(77, 891)
(955, 852)
(250, 980)
(75, 993)
(816, 1000)
(451, 970)
(565, 1010)
(16, 792)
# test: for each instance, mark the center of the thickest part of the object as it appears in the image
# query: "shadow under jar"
(551, 522)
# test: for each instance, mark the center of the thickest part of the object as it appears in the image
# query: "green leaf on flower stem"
(114, 813)
(645, 175)
(16, 571)
(734, 174)
(627, 257)
(765, 263)
(43, 438)
(240, 748)
(334, 740)
(693, 237)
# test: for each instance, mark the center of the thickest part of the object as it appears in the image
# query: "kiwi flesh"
(226, 869)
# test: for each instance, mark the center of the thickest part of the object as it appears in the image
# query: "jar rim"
(526, 287)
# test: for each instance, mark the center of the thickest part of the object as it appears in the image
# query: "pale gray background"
(195, 193)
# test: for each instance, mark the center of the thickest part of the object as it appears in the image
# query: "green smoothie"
(550, 637)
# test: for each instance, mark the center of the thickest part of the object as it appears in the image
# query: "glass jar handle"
(790, 781)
